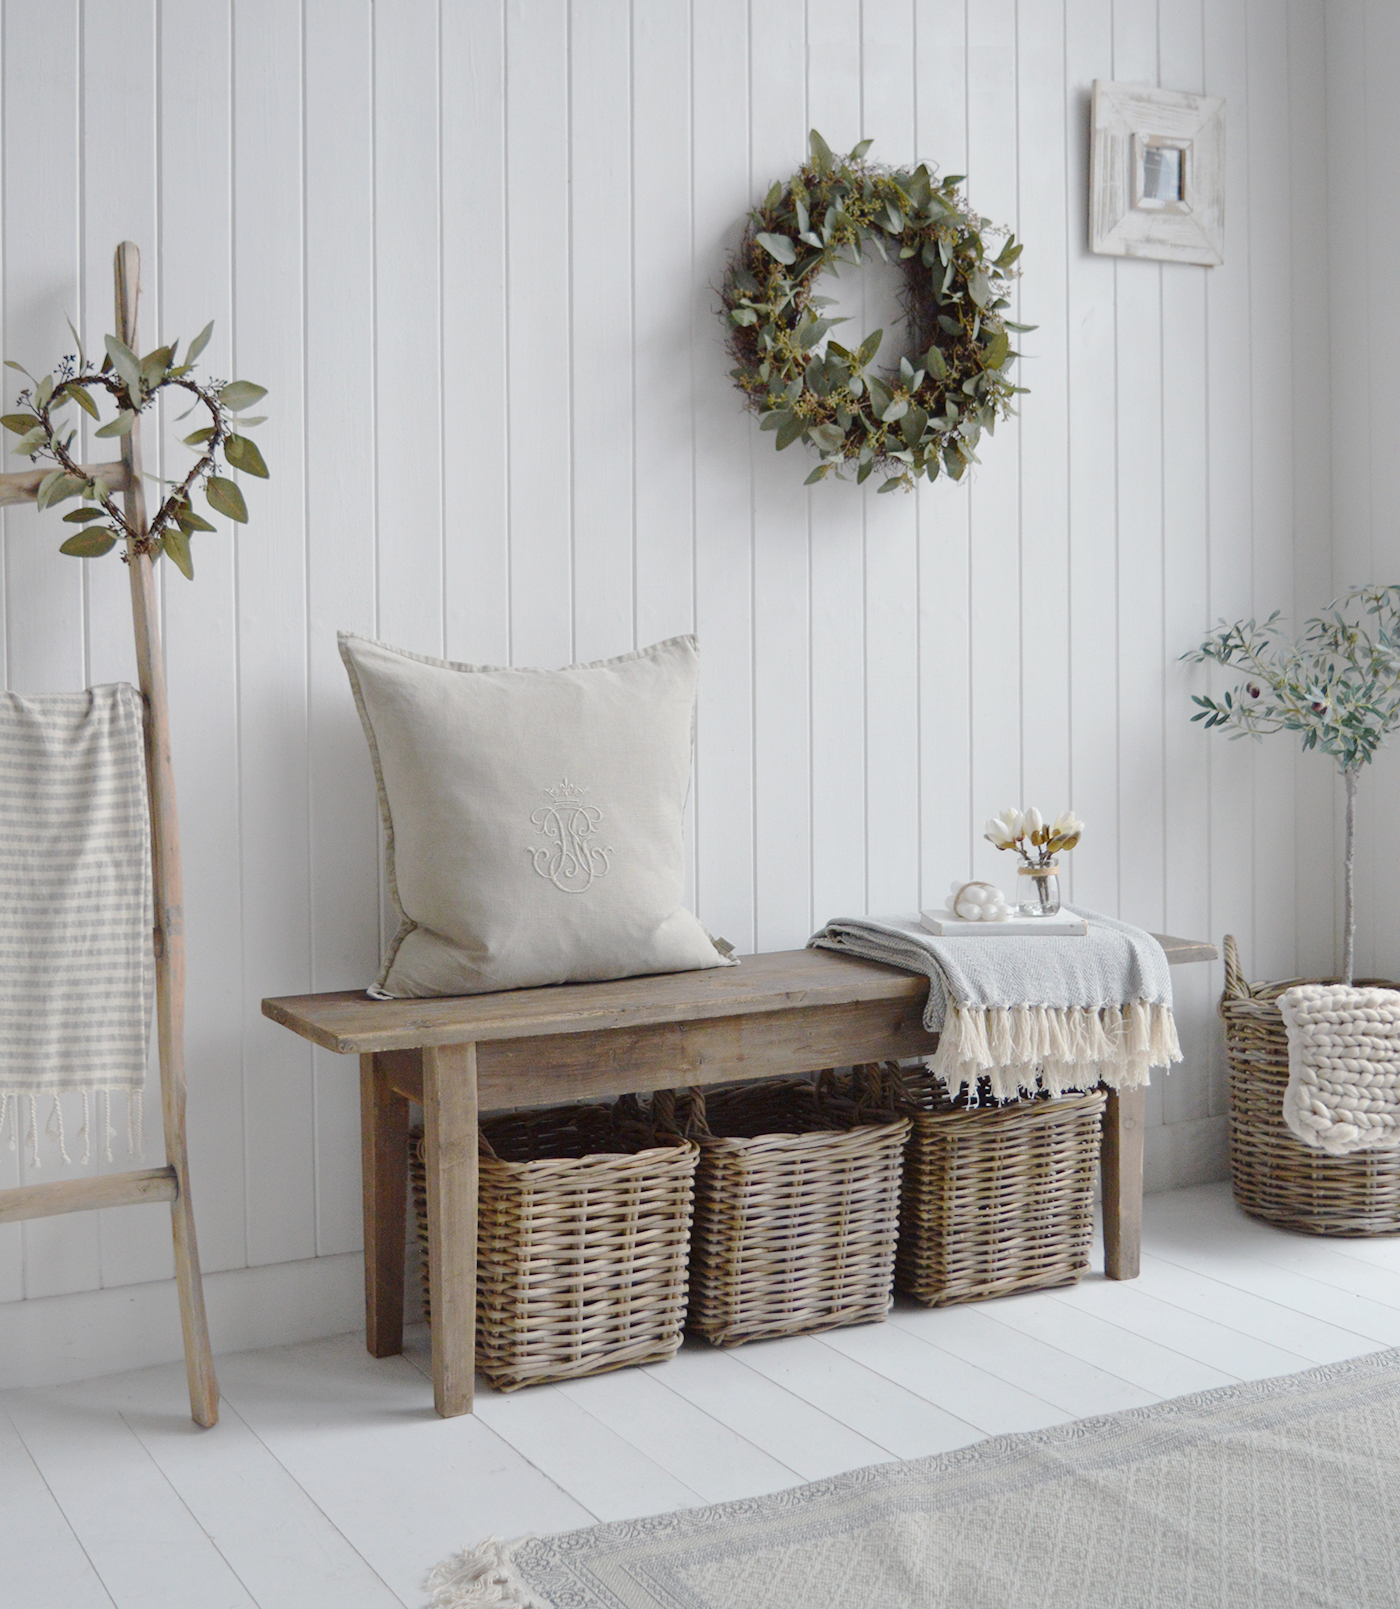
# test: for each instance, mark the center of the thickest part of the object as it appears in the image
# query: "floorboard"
(331, 1481)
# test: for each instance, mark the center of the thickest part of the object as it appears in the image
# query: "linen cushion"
(532, 818)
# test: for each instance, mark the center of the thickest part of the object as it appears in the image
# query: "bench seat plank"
(353, 1024)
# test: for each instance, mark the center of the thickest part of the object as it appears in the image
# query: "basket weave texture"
(796, 1212)
(1274, 1175)
(996, 1199)
(582, 1243)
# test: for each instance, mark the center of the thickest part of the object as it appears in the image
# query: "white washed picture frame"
(1157, 174)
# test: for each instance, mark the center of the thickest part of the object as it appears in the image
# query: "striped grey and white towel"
(1050, 1012)
(77, 968)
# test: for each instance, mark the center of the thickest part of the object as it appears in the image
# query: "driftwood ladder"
(772, 1017)
(170, 1183)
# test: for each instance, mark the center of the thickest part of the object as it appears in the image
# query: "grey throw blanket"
(1058, 1013)
(77, 968)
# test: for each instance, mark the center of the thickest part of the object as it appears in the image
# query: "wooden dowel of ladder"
(167, 883)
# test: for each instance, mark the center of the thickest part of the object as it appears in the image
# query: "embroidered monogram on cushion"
(570, 860)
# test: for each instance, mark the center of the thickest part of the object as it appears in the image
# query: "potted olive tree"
(1337, 685)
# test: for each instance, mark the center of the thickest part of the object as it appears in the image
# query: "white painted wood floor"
(330, 1483)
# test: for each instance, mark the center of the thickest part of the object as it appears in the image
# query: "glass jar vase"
(1038, 889)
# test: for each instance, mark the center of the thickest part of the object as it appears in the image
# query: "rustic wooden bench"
(775, 1015)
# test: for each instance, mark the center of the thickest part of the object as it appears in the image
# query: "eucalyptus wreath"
(133, 384)
(927, 414)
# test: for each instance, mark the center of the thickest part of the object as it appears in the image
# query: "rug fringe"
(483, 1577)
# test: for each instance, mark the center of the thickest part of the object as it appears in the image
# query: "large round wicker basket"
(1275, 1176)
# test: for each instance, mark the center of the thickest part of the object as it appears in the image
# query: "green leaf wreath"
(924, 415)
(133, 383)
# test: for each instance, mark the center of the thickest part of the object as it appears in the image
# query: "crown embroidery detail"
(570, 859)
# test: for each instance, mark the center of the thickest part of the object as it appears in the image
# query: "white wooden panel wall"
(471, 248)
(1363, 56)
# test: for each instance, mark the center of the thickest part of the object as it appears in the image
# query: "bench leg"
(449, 1126)
(384, 1156)
(1120, 1164)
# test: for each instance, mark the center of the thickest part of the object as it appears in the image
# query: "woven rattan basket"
(1275, 1176)
(582, 1244)
(796, 1212)
(996, 1197)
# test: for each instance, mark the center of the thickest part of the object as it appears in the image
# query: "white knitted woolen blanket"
(1343, 1090)
(1045, 1012)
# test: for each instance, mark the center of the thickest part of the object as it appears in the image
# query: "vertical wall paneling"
(44, 603)
(473, 252)
(341, 553)
(950, 824)
(118, 44)
(1271, 187)
(1093, 475)
(1044, 437)
(994, 493)
(1185, 613)
(1370, 386)
(269, 346)
(891, 529)
(1314, 774)
(601, 321)
(538, 34)
(781, 606)
(837, 575)
(1230, 399)
(474, 271)
(723, 184)
(200, 620)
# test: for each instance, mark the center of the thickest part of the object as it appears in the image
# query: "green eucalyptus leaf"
(778, 246)
(120, 426)
(822, 159)
(243, 454)
(43, 391)
(177, 545)
(88, 544)
(197, 438)
(893, 484)
(869, 347)
(790, 429)
(741, 316)
(77, 341)
(895, 411)
(190, 521)
(20, 423)
(240, 394)
(997, 350)
(225, 498)
(125, 363)
(819, 473)
(773, 419)
(11, 364)
(979, 288)
(858, 150)
(80, 516)
(864, 472)
(33, 441)
(80, 395)
(199, 343)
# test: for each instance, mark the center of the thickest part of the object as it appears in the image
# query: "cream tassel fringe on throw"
(483, 1577)
(1056, 1048)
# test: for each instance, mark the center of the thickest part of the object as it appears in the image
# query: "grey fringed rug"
(1271, 1495)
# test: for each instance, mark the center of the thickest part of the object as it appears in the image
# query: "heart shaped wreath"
(951, 382)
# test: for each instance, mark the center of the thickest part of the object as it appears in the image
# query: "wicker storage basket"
(996, 1199)
(1275, 1176)
(582, 1243)
(796, 1213)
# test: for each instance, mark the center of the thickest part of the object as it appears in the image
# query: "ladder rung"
(23, 485)
(79, 1195)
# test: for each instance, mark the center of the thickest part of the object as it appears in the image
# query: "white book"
(1063, 924)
